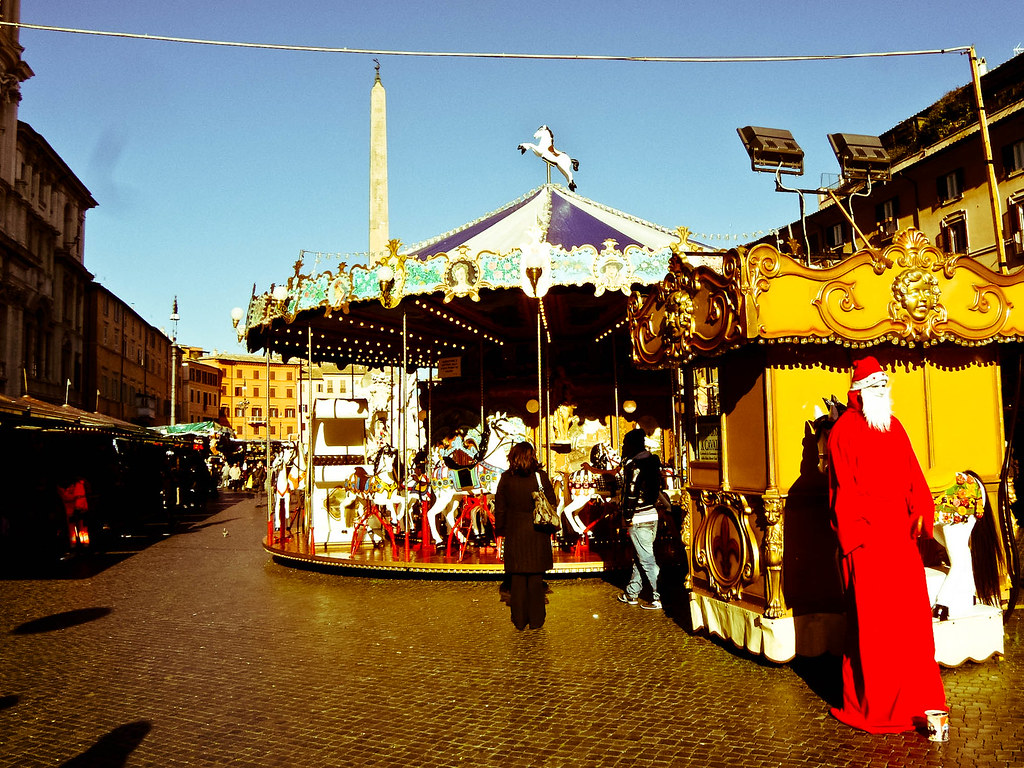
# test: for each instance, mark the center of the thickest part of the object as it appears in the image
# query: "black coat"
(527, 550)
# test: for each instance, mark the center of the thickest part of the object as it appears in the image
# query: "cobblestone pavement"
(199, 650)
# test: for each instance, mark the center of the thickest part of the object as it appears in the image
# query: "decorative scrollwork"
(725, 547)
(773, 551)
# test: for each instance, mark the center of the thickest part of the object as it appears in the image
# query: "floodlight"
(860, 157)
(772, 150)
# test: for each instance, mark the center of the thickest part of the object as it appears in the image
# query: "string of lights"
(490, 55)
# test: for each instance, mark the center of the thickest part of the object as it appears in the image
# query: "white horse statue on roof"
(545, 150)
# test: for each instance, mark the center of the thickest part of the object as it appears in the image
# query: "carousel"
(764, 348)
(510, 327)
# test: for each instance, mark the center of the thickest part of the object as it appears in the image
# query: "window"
(289, 413)
(238, 391)
(886, 216)
(288, 394)
(953, 233)
(273, 413)
(320, 387)
(273, 392)
(238, 373)
(239, 413)
(1013, 157)
(273, 374)
(330, 387)
(257, 413)
(834, 238)
(273, 430)
(255, 391)
(1015, 230)
(288, 376)
(950, 187)
(255, 373)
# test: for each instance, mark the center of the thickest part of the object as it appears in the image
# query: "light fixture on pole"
(175, 317)
(237, 315)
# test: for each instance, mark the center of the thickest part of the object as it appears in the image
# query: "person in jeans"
(641, 485)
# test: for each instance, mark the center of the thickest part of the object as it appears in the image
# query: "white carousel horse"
(289, 471)
(545, 150)
(586, 486)
(472, 466)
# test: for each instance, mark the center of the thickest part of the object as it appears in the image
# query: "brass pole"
(993, 190)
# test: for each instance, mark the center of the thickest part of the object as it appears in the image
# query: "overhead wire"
(489, 55)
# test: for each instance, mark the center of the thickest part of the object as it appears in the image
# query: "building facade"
(939, 181)
(42, 229)
(127, 361)
(257, 398)
(199, 387)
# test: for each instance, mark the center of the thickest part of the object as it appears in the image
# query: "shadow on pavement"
(60, 621)
(113, 749)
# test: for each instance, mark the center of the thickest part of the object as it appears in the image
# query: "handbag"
(544, 515)
(663, 504)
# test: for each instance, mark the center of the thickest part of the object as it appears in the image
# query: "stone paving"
(199, 650)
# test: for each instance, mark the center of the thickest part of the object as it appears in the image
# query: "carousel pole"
(269, 487)
(540, 385)
(308, 479)
(403, 464)
(615, 390)
(266, 452)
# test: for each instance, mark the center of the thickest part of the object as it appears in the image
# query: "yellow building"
(257, 398)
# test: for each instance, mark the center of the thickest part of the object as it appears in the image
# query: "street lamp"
(237, 315)
(175, 317)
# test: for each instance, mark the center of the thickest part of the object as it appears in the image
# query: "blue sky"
(214, 166)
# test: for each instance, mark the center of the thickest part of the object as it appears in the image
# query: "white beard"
(877, 409)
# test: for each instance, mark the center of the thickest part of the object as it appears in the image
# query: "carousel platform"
(419, 561)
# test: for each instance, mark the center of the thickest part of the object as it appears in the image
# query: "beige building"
(42, 275)
(939, 180)
(127, 362)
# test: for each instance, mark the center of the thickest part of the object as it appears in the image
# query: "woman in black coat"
(527, 549)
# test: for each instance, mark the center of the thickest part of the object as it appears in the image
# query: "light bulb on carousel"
(237, 315)
(386, 279)
(629, 406)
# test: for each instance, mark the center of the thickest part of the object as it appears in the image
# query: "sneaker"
(654, 605)
(627, 599)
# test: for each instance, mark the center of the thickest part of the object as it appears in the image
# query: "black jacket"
(641, 483)
(527, 550)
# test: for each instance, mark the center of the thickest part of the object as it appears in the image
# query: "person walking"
(527, 549)
(641, 474)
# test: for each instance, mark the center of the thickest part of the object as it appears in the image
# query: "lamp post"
(174, 361)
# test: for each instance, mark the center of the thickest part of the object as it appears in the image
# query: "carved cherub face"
(916, 291)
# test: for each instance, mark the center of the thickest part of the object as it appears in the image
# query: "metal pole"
(615, 388)
(993, 190)
(270, 507)
(540, 386)
(403, 414)
(308, 483)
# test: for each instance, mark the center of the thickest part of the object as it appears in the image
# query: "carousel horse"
(289, 472)
(545, 150)
(470, 467)
(590, 490)
(965, 527)
(383, 505)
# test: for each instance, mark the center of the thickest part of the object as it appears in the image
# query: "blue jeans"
(642, 535)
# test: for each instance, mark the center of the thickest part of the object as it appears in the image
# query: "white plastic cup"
(937, 724)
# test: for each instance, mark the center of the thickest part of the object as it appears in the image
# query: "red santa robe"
(878, 492)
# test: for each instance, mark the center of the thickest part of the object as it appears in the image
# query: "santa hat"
(867, 373)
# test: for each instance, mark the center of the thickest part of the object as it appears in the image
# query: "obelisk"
(378, 172)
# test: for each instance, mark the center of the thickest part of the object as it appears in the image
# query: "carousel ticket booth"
(761, 349)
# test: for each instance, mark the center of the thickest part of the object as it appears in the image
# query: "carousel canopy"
(474, 296)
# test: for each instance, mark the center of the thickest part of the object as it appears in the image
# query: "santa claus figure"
(881, 504)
